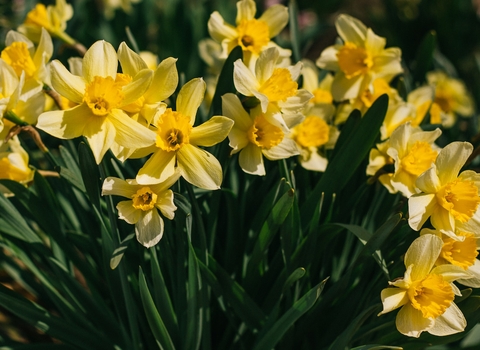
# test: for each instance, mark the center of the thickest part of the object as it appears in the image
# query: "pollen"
(102, 95)
(460, 198)
(144, 199)
(312, 132)
(279, 86)
(431, 295)
(264, 134)
(354, 60)
(419, 159)
(253, 35)
(460, 253)
(18, 57)
(173, 131)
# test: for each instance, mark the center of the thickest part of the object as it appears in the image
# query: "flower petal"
(159, 167)
(442, 220)
(129, 133)
(199, 167)
(266, 64)
(351, 29)
(420, 207)
(233, 109)
(127, 212)
(117, 187)
(393, 298)
(100, 133)
(244, 80)
(450, 322)
(67, 124)
(100, 60)
(44, 49)
(190, 98)
(284, 149)
(474, 271)
(130, 61)
(345, 89)
(328, 58)
(276, 17)
(451, 159)
(410, 321)
(149, 229)
(135, 89)
(219, 30)
(165, 204)
(422, 254)
(211, 132)
(251, 160)
(164, 82)
(66, 84)
(451, 273)
(429, 182)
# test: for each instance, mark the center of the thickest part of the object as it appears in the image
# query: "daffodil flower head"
(99, 99)
(361, 59)
(14, 162)
(145, 204)
(321, 90)
(451, 200)
(256, 134)
(177, 142)
(425, 293)
(251, 34)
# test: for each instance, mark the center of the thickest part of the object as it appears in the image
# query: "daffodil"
(359, 60)
(144, 206)
(177, 141)
(321, 90)
(378, 161)
(52, 18)
(413, 152)
(452, 97)
(110, 6)
(448, 198)
(256, 134)
(425, 293)
(272, 86)
(99, 115)
(253, 35)
(460, 250)
(14, 162)
(20, 53)
(314, 135)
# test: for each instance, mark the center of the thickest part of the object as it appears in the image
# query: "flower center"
(39, 17)
(322, 96)
(263, 134)
(173, 130)
(253, 35)
(102, 95)
(460, 253)
(17, 56)
(279, 86)
(312, 132)
(460, 198)
(432, 295)
(354, 60)
(419, 159)
(144, 199)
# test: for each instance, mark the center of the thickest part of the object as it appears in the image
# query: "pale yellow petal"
(422, 255)
(199, 167)
(165, 204)
(276, 17)
(70, 86)
(219, 30)
(251, 160)
(420, 207)
(474, 280)
(117, 187)
(130, 61)
(265, 65)
(351, 29)
(13, 36)
(450, 322)
(44, 49)
(441, 219)
(211, 132)
(129, 133)
(67, 124)
(451, 159)
(393, 298)
(149, 229)
(164, 82)
(238, 140)
(328, 58)
(233, 109)
(410, 321)
(451, 273)
(137, 87)
(246, 10)
(285, 149)
(100, 60)
(159, 167)
(8, 79)
(374, 44)
(244, 80)
(429, 182)
(345, 89)
(100, 133)
(190, 98)
(127, 212)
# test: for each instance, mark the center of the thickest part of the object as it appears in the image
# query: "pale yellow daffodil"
(253, 35)
(360, 60)
(425, 293)
(255, 135)
(177, 142)
(52, 18)
(452, 97)
(110, 6)
(448, 198)
(320, 89)
(142, 210)
(14, 162)
(99, 115)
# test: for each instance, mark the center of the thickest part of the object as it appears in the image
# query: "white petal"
(219, 30)
(149, 229)
(251, 160)
(420, 207)
(117, 187)
(244, 80)
(233, 109)
(127, 212)
(284, 149)
(450, 322)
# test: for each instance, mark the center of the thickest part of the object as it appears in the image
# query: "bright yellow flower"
(14, 162)
(177, 142)
(253, 35)
(449, 199)
(256, 134)
(99, 115)
(425, 293)
(360, 60)
(142, 210)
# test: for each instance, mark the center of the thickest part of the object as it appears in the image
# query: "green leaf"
(120, 251)
(376, 347)
(155, 322)
(71, 172)
(294, 32)
(90, 173)
(275, 334)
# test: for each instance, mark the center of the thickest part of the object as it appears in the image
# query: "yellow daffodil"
(256, 134)
(314, 135)
(460, 250)
(21, 54)
(450, 199)
(274, 87)
(14, 162)
(109, 6)
(413, 152)
(360, 60)
(377, 161)
(452, 97)
(142, 210)
(53, 18)
(321, 90)
(425, 293)
(99, 115)
(253, 35)
(177, 142)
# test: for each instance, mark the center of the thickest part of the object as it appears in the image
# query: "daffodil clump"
(283, 191)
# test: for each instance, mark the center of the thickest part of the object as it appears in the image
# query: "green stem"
(11, 116)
